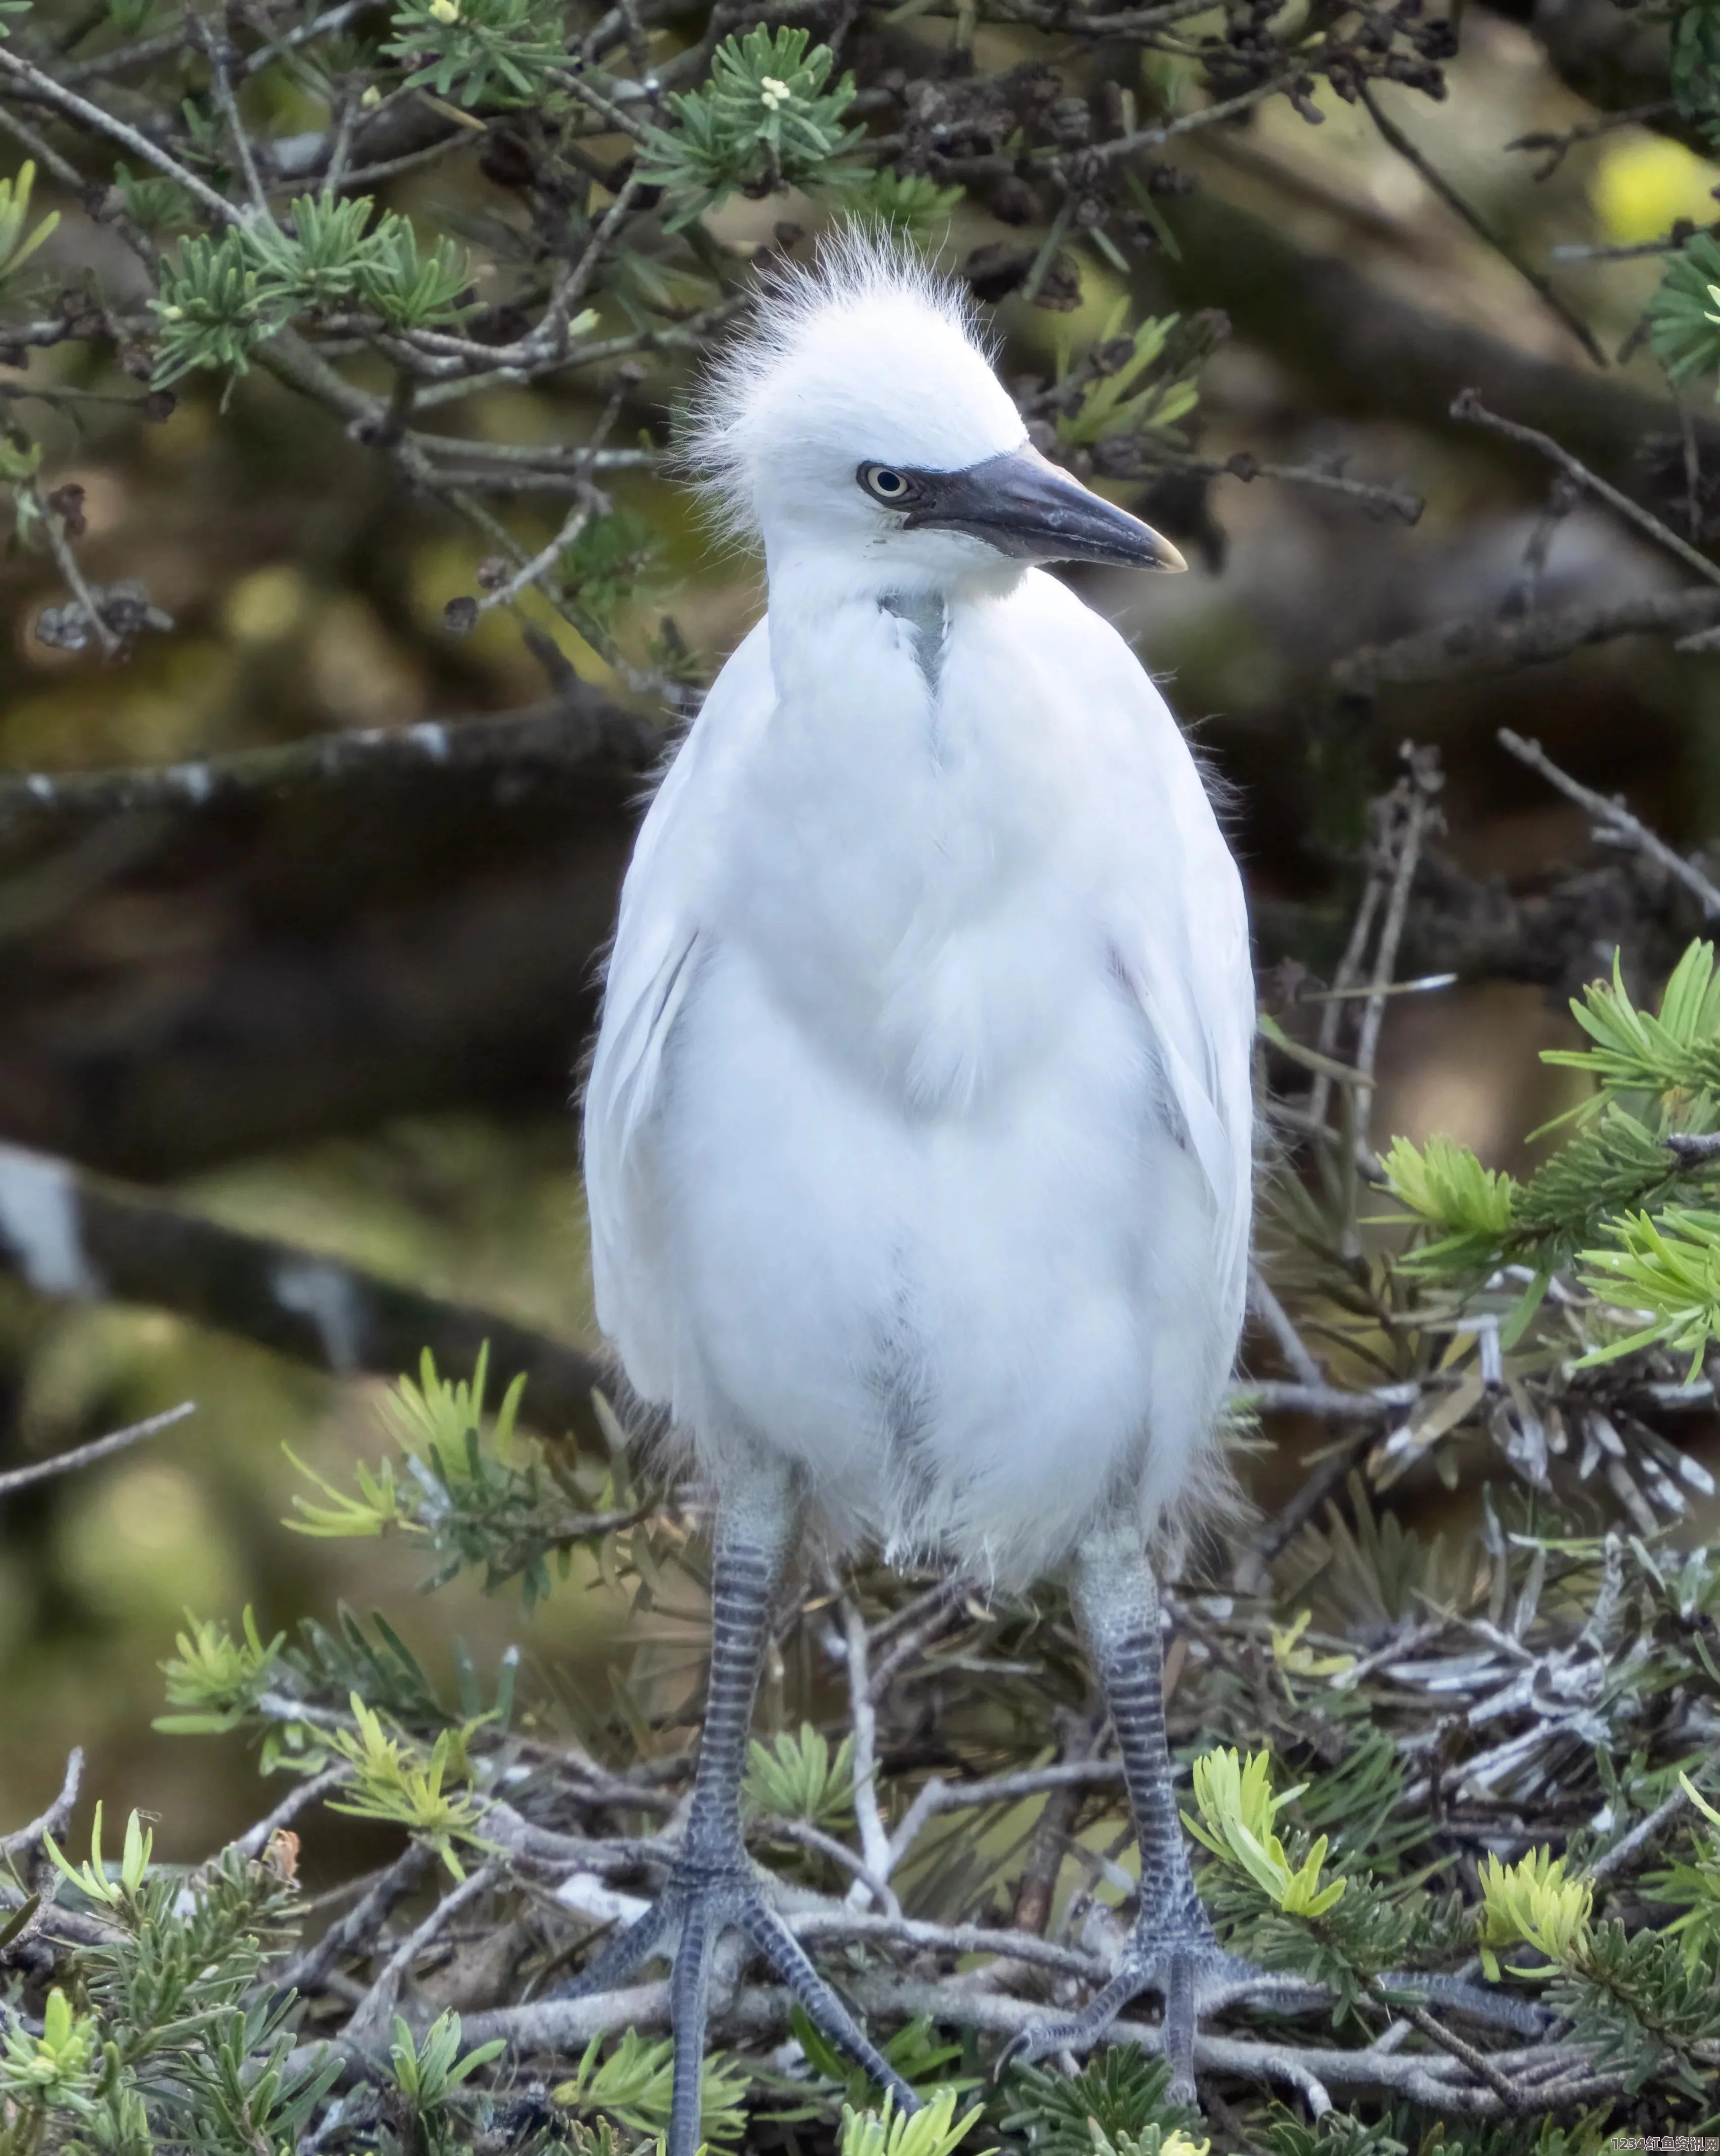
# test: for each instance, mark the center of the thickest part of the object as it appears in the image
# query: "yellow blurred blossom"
(1643, 185)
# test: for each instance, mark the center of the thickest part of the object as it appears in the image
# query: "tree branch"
(68, 1232)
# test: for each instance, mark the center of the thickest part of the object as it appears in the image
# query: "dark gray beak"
(1024, 506)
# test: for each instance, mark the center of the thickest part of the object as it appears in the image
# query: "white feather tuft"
(872, 297)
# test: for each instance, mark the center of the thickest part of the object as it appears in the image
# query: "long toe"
(689, 2002)
(620, 1956)
(1189, 1974)
(1077, 2032)
(777, 1945)
(701, 1901)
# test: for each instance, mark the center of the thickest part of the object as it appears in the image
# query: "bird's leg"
(712, 1886)
(1173, 1948)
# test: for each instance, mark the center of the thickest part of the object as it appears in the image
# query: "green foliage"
(767, 117)
(911, 204)
(1644, 2003)
(428, 2070)
(1119, 2098)
(412, 289)
(1695, 61)
(474, 1492)
(161, 2036)
(797, 1777)
(51, 2070)
(213, 310)
(935, 2131)
(1443, 1183)
(631, 2087)
(1534, 1902)
(92, 1880)
(154, 202)
(219, 1678)
(1605, 1202)
(321, 258)
(1128, 391)
(1336, 2134)
(608, 565)
(1683, 323)
(1237, 1806)
(1670, 1270)
(395, 1779)
(916, 2051)
(480, 52)
(222, 299)
(1673, 1053)
(1693, 1887)
(1154, 2142)
(17, 245)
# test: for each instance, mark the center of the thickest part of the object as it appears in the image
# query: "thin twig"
(66, 562)
(1398, 140)
(360, 1925)
(1489, 644)
(255, 1839)
(1418, 789)
(71, 1233)
(1623, 1852)
(1267, 1306)
(1613, 821)
(1468, 407)
(98, 1448)
(373, 2011)
(805, 1836)
(1511, 2097)
(210, 40)
(45, 90)
(875, 1842)
(23, 1841)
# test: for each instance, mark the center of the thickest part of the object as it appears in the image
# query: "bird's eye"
(884, 485)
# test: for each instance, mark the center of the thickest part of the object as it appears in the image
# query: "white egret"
(917, 1136)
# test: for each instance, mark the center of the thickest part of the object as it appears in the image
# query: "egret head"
(861, 418)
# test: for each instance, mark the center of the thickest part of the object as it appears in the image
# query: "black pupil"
(889, 482)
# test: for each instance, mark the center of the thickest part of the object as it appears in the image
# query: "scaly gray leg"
(1173, 1948)
(712, 1887)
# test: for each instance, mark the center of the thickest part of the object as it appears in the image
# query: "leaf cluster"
(221, 299)
(629, 2084)
(768, 117)
(480, 52)
(474, 1491)
(161, 2034)
(1607, 1203)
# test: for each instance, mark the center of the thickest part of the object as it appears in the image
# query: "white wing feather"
(1180, 922)
(1192, 977)
(651, 966)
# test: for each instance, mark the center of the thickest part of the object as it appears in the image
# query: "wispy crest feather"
(858, 268)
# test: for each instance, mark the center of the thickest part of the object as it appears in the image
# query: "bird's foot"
(1185, 1964)
(706, 1895)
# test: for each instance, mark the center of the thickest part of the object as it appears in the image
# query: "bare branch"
(1487, 645)
(1614, 823)
(70, 1232)
(1468, 406)
(98, 1448)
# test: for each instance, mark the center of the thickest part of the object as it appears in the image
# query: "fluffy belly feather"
(973, 1327)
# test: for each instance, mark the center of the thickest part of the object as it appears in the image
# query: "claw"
(704, 1900)
(1178, 1968)
(789, 1960)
